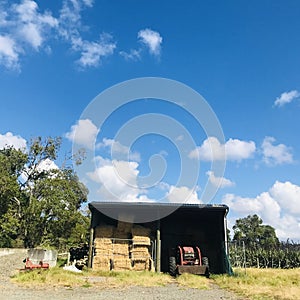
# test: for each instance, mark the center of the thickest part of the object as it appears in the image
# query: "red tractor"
(188, 259)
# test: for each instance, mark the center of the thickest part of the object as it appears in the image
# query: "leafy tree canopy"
(39, 205)
(252, 231)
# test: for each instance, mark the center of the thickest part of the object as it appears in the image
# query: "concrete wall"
(35, 255)
(47, 256)
(9, 251)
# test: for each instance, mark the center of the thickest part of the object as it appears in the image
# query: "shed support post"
(90, 261)
(158, 247)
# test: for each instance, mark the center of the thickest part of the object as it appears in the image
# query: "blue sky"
(241, 56)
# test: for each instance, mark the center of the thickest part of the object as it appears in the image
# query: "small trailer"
(29, 265)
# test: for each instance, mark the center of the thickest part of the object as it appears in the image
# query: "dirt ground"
(10, 263)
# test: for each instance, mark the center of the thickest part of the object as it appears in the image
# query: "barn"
(144, 233)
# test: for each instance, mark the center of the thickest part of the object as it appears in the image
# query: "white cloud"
(133, 54)
(88, 2)
(275, 154)
(152, 39)
(180, 138)
(182, 195)
(11, 140)
(32, 26)
(233, 150)
(91, 53)
(287, 195)
(47, 165)
(220, 182)
(118, 180)
(24, 27)
(83, 133)
(278, 207)
(9, 54)
(286, 97)
(119, 151)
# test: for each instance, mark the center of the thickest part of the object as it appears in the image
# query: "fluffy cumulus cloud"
(152, 39)
(83, 133)
(182, 194)
(31, 25)
(233, 150)
(149, 38)
(118, 180)
(287, 195)
(119, 151)
(47, 165)
(91, 52)
(24, 26)
(286, 98)
(220, 182)
(10, 140)
(133, 54)
(9, 52)
(275, 154)
(278, 207)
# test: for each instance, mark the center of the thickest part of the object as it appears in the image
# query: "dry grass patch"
(262, 284)
(193, 281)
(53, 277)
(103, 279)
(133, 278)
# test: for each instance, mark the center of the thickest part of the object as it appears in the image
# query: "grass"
(53, 277)
(256, 284)
(193, 281)
(263, 284)
(59, 277)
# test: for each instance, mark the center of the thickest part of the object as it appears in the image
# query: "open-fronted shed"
(165, 226)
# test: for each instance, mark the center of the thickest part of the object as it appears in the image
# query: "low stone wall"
(9, 251)
(35, 255)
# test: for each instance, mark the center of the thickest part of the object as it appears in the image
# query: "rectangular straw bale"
(100, 260)
(102, 242)
(140, 253)
(141, 240)
(104, 231)
(100, 263)
(122, 264)
(121, 235)
(140, 231)
(120, 249)
(104, 253)
(124, 227)
(141, 265)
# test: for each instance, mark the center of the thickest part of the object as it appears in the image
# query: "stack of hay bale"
(124, 247)
(121, 260)
(140, 255)
(103, 247)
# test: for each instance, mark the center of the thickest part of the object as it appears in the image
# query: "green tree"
(11, 164)
(252, 231)
(42, 204)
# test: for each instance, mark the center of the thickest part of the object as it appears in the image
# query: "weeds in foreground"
(263, 284)
(255, 284)
(105, 279)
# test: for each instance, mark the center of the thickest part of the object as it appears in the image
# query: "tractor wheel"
(172, 266)
(206, 263)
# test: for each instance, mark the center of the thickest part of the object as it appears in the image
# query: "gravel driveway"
(10, 290)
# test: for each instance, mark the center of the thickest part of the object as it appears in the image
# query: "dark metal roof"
(107, 204)
(149, 211)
